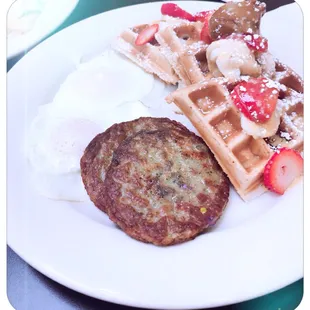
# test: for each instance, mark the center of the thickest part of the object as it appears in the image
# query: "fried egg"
(54, 148)
(105, 90)
(65, 187)
(102, 84)
(56, 143)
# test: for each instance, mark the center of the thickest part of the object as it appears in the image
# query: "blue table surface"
(28, 289)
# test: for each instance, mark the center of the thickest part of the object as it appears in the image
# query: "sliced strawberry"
(282, 169)
(254, 41)
(147, 35)
(256, 99)
(205, 33)
(203, 16)
(173, 10)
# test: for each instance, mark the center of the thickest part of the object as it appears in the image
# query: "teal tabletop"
(41, 293)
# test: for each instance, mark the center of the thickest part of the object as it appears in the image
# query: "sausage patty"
(98, 154)
(165, 187)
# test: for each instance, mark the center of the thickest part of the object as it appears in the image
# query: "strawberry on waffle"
(243, 142)
(140, 46)
(246, 105)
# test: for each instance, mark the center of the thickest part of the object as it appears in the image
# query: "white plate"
(53, 15)
(256, 248)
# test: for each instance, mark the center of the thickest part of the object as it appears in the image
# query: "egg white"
(65, 187)
(102, 84)
(56, 143)
(104, 90)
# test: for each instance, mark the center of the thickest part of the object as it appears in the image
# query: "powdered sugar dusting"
(285, 135)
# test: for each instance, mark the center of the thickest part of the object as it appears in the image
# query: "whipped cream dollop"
(231, 58)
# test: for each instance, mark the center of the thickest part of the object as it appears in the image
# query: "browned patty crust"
(165, 187)
(98, 154)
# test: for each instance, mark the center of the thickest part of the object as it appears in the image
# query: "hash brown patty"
(165, 187)
(98, 154)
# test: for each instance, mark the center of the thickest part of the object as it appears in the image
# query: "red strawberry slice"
(147, 35)
(205, 33)
(254, 41)
(173, 10)
(256, 99)
(203, 16)
(282, 169)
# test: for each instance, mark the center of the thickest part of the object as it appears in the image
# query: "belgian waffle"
(290, 132)
(210, 109)
(149, 56)
(185, 51)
